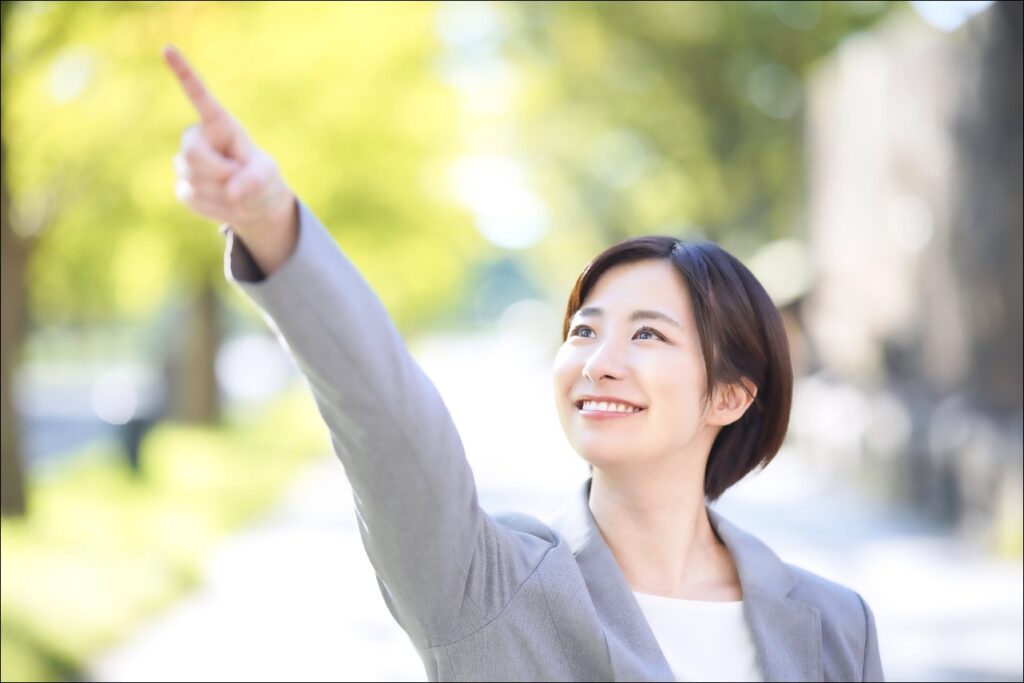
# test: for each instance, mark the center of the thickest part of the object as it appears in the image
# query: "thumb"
(245, 183)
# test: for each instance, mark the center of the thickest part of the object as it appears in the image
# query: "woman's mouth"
(607, 410)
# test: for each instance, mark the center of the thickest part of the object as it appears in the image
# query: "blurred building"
(915, 225)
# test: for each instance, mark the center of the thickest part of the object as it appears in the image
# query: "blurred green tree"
(342, 95)
(12, 316)
(642, 117)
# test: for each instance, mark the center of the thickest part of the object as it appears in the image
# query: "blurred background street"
(170, 508)
(294, 597)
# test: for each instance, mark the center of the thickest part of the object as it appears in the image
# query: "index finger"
(206, 104)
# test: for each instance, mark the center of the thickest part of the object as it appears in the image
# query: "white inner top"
(702, 640)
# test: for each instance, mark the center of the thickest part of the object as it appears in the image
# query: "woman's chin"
(606, 458)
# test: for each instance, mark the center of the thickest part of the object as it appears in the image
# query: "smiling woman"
(673, 382)
(731, 343)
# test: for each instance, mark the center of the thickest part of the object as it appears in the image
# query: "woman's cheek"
(567, 366)
(562, 380)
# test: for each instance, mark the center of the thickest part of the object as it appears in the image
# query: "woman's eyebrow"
(595, 311)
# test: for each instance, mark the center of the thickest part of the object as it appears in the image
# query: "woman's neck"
(657, 527)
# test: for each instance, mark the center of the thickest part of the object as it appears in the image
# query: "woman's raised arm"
(444, 566)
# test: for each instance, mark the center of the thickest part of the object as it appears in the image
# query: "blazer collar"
(786, 632)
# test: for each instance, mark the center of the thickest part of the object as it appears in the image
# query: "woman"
(673, 382)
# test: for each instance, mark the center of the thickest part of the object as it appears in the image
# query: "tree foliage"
(675, 117)
(342, 95)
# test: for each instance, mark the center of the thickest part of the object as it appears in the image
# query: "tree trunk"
(192, 380)
(13, 255)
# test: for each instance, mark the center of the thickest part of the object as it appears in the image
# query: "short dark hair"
(741, 336)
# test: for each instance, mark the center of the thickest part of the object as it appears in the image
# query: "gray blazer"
(503, 598)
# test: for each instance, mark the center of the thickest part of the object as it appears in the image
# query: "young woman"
(673, 382)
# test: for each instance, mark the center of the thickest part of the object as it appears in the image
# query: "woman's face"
(635, 340)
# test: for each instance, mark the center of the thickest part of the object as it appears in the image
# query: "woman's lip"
(606, 414)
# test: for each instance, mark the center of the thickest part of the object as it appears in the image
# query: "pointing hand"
(222, 175)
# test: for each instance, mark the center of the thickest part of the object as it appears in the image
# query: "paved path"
(294, 597)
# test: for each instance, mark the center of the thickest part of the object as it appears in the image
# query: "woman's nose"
(606, 362)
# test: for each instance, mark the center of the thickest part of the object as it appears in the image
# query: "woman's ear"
(731, 401)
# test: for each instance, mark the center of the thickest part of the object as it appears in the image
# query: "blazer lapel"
(633, 651)
(786, 632)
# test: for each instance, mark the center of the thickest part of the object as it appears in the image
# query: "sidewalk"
(294, 597)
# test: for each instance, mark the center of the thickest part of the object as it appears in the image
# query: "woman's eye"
(579, 330)
(652, 334)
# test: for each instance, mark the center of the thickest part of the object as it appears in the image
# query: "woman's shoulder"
(847, 623)
(811, 602)
(759, 564)
(523, 523)
(834, 601)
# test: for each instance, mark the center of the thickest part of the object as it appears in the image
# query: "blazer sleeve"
(872, 659)
(443, 565)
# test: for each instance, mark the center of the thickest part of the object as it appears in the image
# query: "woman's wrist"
(272, 240)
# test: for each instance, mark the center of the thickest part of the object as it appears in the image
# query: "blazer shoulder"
(820, 591)
(842, 609)
(528, 525)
